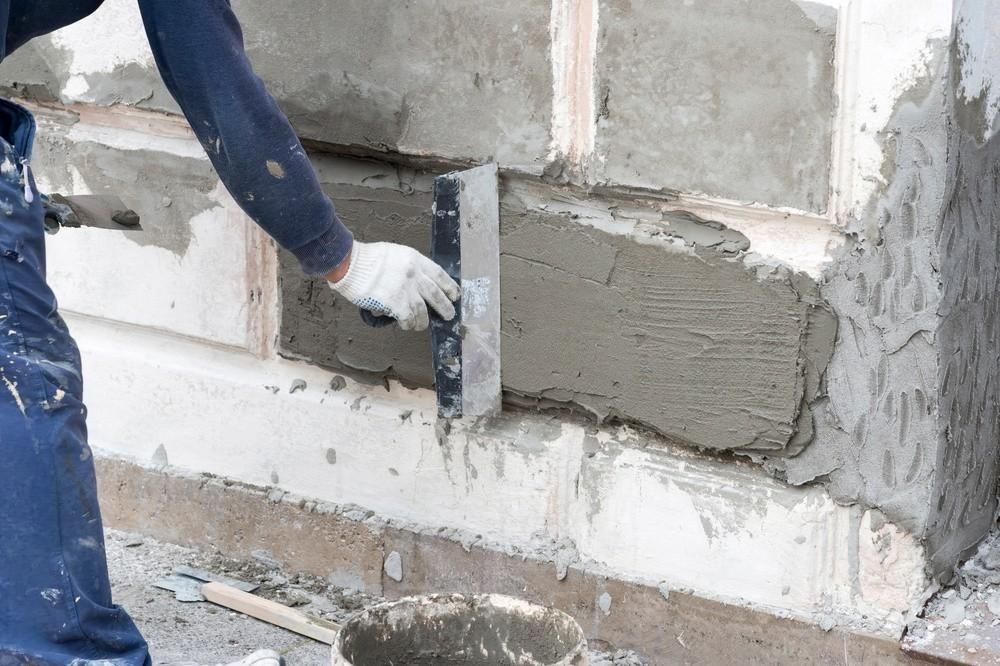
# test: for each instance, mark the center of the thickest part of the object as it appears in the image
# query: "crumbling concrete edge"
(350, 544)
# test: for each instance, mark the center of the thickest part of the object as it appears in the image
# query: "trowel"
(186, 582)
(101, 211)
(465, 241)
(194, 585)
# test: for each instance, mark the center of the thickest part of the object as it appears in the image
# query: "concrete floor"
(204, 634)
(191, 633)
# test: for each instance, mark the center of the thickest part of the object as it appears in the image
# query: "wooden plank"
(270, 612)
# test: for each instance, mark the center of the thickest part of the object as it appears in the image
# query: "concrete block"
(452, 79)
(730, 98)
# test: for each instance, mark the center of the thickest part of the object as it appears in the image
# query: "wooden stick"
(270, 612)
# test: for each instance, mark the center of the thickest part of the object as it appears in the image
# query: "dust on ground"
(204, 634)
(962, 622)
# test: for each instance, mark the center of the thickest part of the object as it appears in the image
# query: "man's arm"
(198, 46)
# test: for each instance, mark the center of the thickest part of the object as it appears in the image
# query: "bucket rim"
(575, 655)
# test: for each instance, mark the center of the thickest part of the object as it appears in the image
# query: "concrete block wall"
(724, 230)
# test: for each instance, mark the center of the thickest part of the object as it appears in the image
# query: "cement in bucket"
(446, 630)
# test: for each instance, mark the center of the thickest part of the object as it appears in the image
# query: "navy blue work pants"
(55, 597)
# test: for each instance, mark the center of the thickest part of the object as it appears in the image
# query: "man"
(55, 599)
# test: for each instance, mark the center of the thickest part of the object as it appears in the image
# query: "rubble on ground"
(137, 561)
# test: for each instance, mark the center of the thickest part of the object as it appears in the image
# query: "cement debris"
(266, 558)
(393, 566)
(604, 603)
(618, 658)
(962, 622)
(182, 634)
(160, 460)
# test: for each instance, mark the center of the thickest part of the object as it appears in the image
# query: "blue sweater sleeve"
(198, 46)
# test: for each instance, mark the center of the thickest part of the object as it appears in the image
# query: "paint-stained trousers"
(55, 597)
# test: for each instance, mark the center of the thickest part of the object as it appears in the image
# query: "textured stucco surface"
(964, 498)
(680, 336)
(729, 98)
(879, 426)
(910, 419)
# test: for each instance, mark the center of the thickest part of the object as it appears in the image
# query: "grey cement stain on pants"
(731, 98)
(689, 342)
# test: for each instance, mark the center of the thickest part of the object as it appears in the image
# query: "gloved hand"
(397, 281)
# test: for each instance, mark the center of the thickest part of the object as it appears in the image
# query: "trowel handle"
(374, 320)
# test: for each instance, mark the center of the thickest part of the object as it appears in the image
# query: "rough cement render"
(964, 495)
(733, 99)
(668, 327)
(879, 424)
(690, 342)
(910, 420)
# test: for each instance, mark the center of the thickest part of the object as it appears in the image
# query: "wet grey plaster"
(964, 499)
(878, 428)
(733, 99)
(678, 334)
(378, 203)
(910, 419)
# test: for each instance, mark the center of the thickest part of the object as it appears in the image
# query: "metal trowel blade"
(184, 588)
(99, 211)
(466, 243)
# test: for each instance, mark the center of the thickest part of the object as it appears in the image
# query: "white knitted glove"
(399, 282)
